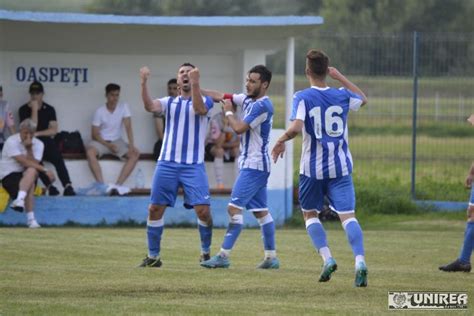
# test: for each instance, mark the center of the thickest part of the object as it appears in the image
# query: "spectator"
(222, 145)
(107, 139)
(7, 124)
(172, 88)
(44, 116)
(20, 166)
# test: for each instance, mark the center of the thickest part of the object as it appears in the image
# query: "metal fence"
(420, 86)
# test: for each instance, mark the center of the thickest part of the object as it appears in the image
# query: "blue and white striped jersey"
(254, 142)
(185, 131)
(325, 153)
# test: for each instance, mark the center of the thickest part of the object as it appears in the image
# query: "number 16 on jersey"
(334, 125)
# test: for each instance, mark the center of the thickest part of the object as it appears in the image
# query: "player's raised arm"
(198, 104)
(149, 104)
(216, 96)
(295, 128)
(336, 75)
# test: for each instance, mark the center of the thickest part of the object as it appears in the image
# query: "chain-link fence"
(435, 72)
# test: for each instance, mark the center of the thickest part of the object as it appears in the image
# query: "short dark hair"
(318, 62)
(264, 72)
(172, 81)
(187, 64)
(111, 87)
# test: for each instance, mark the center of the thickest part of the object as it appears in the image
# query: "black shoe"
(150, 262)
(205, 257)
(456, 266)
(52, 191)
(69, 191)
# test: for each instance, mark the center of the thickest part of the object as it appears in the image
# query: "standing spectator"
(44, 116)
(107, 139)
(20, 166)
(7, 124)
(172, 88)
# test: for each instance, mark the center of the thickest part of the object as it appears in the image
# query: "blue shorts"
(471, 198)
(250, 190)
(169, 176)
(339, 191)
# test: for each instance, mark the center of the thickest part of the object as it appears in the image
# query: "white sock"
(21, 195)
(359, 258)
(219, 170)
(270, 254)
(225, 253)
(30, 216)
(325, 253)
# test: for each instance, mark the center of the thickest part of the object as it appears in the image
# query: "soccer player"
(181, 161)
(250, 188)
(463, 263)
(326, 162)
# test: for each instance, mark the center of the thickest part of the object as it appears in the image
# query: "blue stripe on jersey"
(246, 145)
(175, 131)
(167, 128)
(197, 119)
(184, 147)
(325, 161)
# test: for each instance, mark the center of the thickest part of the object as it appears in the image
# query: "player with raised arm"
(181, 161)
(250, 187)
(321, 112)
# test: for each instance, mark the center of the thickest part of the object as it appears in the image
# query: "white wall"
(75, 105)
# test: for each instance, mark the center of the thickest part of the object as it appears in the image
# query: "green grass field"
(92, 271)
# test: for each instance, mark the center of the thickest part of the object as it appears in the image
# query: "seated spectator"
(44, 116)
(7, 124)
(172, 88)
(107, 139)
(20, 166)
(222, 144)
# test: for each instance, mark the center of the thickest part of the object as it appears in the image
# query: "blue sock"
(466, 250)
(267, 226)
(205, 231)
(317, 233)
(154, 229)
(355, 236)
(233, 231)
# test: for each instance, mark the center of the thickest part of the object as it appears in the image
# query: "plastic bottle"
(139, 179)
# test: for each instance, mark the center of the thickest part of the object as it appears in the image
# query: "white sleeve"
(38, 148)
(301, 110)
(126, 111)
(11, 149)
(96, 121)
(238, 99)
(354, 104)
(164, 104)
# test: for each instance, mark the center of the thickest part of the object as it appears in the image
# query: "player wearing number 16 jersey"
(321, 112)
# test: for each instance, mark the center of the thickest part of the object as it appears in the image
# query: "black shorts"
(11, 183)
(207, 153)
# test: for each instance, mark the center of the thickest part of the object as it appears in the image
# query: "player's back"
(325, 153)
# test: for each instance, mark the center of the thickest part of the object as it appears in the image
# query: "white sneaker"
(18, 205)
(111, 187)
(33, 224)
(122, 190)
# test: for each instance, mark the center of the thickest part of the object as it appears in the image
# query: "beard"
(254, 93)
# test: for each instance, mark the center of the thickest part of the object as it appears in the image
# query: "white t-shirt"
(110, 124)
(12, 148)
